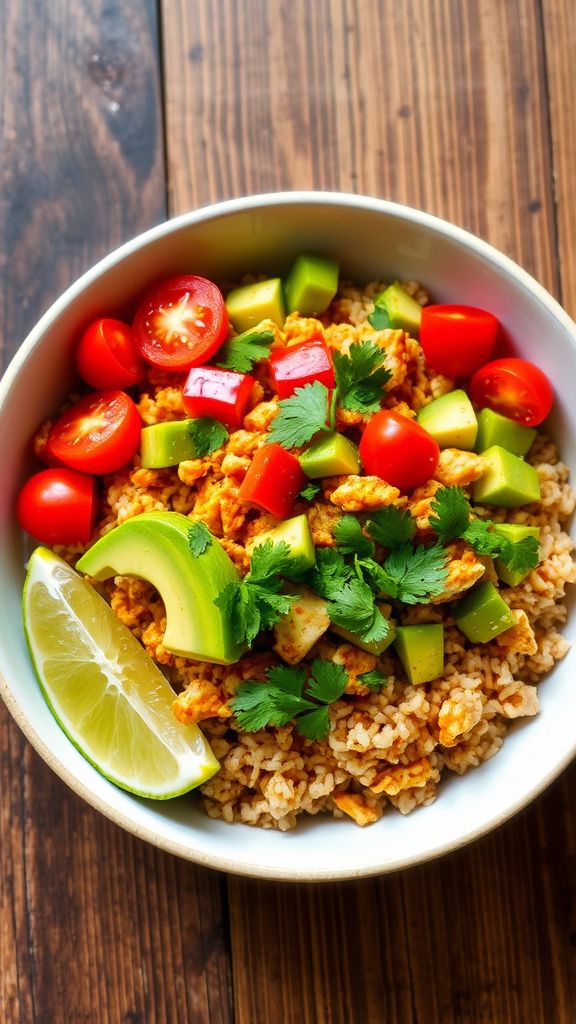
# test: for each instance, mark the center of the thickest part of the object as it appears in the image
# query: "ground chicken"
(519, 638)
(465, 568)
(393, 780)
(201, 699)
(460, 713)
(261, 416)
(457, 467)
(361, 493)
(355, 806)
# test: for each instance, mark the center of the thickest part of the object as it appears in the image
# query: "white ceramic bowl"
(371, 238)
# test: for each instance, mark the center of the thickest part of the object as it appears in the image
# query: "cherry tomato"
(223, 394)
(515, 388)
(181, 323)
(98, 434)
(456, 340)
(297, 365)
(273, 481)
(58, 506)
(107, 356)
(398, 450)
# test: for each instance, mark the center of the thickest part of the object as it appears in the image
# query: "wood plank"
(442, 106)
(94, 924)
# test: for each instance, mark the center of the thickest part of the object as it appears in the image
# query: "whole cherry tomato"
(456, 340)
(181, 323)
(515, 388)
(98, 434)
(58, 506)
(107, 356)
(398, 450)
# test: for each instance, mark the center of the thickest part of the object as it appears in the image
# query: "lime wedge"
(103, 688)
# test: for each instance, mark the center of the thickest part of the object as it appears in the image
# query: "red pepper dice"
(273, 481)
(301, 364)
(222, 394)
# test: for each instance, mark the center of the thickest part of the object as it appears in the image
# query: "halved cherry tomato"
(273, 481)
(98, 434)
(297, 365)
(58, 506)
(107, 356)
(223, 394)
(456, 340)
(515, 388)
(398, 450)
(181, 323)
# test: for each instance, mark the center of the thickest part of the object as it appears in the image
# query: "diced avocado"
(482, 614)
(421, 651)
(334, 455)
(450, 420)
(155, 547)
(166, 444)
(311, 285)
(513, 532)
(493, 428)
(374, 646)
(296, 534)
(249, 305)
(404, 312)
(508, 480)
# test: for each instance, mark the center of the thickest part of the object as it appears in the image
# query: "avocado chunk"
(508, 481)
(513, 532)
(296, 534)
(450, 420)
(403, 311)
(493, 428)
(249, 305)
(166, 444)
(155, 546)
(334, 455)
(482, 614)
(421, 651)
(371, 646)
(311, 285)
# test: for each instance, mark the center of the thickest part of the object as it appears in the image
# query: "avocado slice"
(334, 455)
(450, 420)
(249, 305)
(403, 311)
(421, 651)
(311, 284)
(372, 646)
(166, 444)
(493, 428)
(296, 534)
(154, 546)
(482, 614)
(508, 480)
(513, 532)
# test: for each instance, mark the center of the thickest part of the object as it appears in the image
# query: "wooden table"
(115, 114)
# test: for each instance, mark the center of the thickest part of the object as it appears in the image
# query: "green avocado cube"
(371, 646)
(493, 428)
(334, 455)
(311, 285)
(404, 312)
(166, 444)
(249, 305)
(482, 614)
(450, 420)
(513, 532)
(296, 534)
(508, 481)
(421, 651)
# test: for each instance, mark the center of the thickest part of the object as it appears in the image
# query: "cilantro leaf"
(207, 435)
(240, 353)
(330, 573)
(287, 678)
(199, 538)
(413, 575)
(451, 513)
(361, 376)
(257, 705)
(522, 555)
(481, 535)
(391, 526)
(374, 680)
(379, 318)
(250, 607)
(268, 560)
(353, 609)
(309, 492)
(301, 416)
(350, 539)
(327, 680)
(314, 725)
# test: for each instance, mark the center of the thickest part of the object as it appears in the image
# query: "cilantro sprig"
(361, 376)
(199, 538)
(307, 412)
(240, 353)
(379, 318)
(291, 694)
(207, 435)
(255, 603)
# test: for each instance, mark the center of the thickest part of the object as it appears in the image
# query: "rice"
(386, 749)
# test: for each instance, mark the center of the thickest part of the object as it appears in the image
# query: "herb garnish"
(374, 680)
(309, 492)
(379, 318)
(255, 603)
(361, 376)
(240, 353)
(207, 435)
(199, 538)
(286, 695)
(308, 411)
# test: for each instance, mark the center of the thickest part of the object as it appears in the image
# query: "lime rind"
(104, 690)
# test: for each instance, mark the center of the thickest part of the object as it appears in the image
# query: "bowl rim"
(140, 241)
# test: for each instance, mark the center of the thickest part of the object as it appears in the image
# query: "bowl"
(372, 239)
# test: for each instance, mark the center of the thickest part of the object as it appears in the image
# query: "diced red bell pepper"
(301, 364)
(222, 394)
(273, 481)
